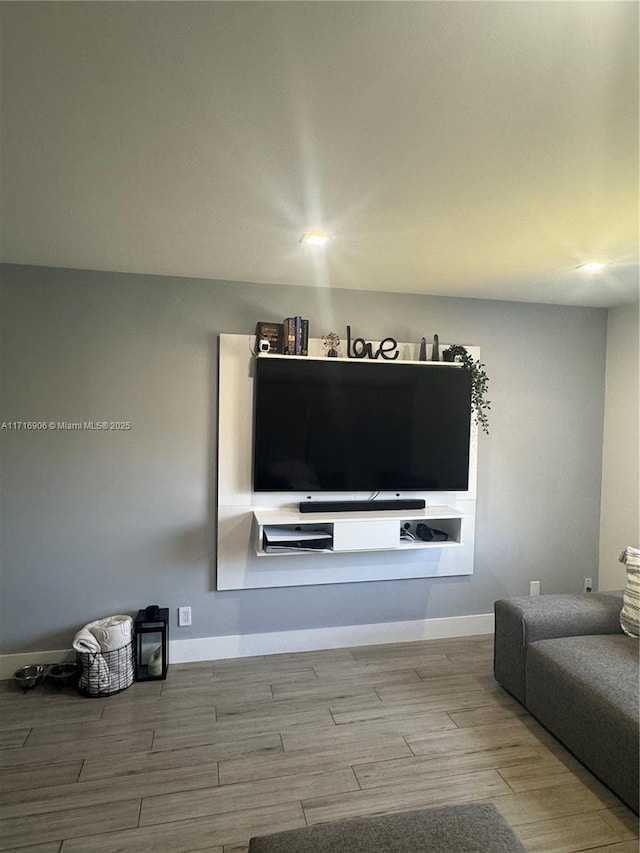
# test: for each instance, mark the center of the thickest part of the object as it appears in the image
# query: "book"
(296, 336)
(273, 333)
(290, 336)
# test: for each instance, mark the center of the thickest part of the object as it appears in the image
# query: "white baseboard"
(312, 639)
(279, 642)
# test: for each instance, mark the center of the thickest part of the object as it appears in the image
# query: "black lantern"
(152, 643)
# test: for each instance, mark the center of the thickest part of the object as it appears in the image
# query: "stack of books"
(290, 337)
(296, 336)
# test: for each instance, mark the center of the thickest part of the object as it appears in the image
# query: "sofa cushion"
(585, 690)
(468, 828)
(630, 613)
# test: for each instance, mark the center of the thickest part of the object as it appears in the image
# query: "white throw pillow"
(630, 613)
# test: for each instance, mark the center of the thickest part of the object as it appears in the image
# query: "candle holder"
(151, 627)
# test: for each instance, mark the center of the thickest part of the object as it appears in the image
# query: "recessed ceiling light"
(592, 266)
(316, 237)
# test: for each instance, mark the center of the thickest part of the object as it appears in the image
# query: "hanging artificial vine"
(479, 383)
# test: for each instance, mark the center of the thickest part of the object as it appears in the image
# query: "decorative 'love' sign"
(359, 348)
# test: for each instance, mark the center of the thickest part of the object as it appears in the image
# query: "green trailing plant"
(480, 406)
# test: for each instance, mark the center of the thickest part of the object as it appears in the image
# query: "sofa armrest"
(520, 621)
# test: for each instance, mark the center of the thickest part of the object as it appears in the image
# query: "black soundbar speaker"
(361, 506)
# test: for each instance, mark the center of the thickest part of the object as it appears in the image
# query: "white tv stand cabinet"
(361, 546)
(359, 531)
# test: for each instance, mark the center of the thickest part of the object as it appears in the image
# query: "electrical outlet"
(534, 587)
(587, 585)
(184, 616)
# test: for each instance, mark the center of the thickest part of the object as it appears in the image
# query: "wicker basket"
(106, 673)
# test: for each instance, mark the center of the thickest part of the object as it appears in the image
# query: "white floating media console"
(345, 547)
(357, 531)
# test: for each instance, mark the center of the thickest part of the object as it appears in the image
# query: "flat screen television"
(360, 426)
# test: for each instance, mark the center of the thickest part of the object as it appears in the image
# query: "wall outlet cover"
(184, 616)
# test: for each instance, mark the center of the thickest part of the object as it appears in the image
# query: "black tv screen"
(353, 426)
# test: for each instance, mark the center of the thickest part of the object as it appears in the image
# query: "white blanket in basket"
(106, 672)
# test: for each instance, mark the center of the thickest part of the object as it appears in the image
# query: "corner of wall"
(620, 493)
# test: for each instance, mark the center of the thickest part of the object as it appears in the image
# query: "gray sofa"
(566, 659)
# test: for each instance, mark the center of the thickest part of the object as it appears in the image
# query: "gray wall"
(620, 511)
(96, 523)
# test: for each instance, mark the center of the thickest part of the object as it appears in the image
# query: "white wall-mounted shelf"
(324, 357)
(369, 530)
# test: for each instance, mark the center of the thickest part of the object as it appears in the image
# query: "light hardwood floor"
(225, 750)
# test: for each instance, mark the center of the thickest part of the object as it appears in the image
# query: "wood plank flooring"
(225, 750)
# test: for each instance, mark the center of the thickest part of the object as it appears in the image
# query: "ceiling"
(477, 149)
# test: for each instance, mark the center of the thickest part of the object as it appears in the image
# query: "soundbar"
(361, 506)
